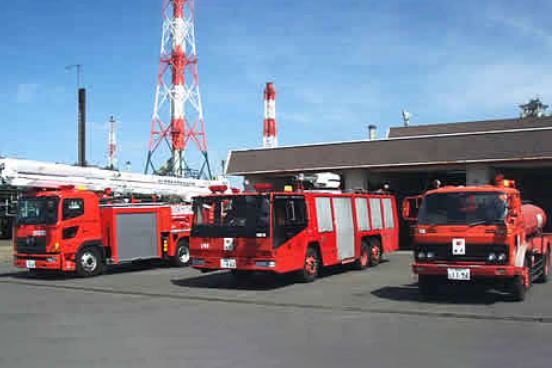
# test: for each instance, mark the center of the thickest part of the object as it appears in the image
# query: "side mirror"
(513, 210)
(410, 208)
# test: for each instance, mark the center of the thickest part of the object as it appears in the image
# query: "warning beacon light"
(263, 187)
(218, 188)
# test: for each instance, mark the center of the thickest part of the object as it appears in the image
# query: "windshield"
(37, 211)
(245, 216)
(463, 208)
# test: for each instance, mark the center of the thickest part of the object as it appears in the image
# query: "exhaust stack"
(372, 132)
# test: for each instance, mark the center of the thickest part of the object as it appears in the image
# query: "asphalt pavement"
(145, 315)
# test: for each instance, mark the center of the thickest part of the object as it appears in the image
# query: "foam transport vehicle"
(478, 233)
(81, 231)
(291, 231)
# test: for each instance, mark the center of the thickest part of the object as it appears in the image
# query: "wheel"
(311, 266)
(375, 253)
(182, 255)
(543, 277)
(89, 262)
(363, 261)
(518, 288)
(428, 285)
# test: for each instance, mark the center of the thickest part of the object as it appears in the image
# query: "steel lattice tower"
(177, 96)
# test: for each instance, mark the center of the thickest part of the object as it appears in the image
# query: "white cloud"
(26, 92)
(493, 87)
(524, 26)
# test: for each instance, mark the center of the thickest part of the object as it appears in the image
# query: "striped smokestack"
(270, 138)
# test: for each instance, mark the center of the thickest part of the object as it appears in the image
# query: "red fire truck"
(71, 230)
(291, 231)
(478, 233)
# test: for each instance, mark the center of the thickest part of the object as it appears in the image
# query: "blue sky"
(337, 66)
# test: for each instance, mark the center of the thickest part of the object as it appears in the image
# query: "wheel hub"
(88, 262)
(184, 255)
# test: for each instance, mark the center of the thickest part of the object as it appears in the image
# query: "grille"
(474, 252)
(31, 244)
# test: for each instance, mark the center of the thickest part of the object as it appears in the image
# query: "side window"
(388, 213)
(362, 214)
(290, 218)
(72, 207)
(324, 214)
(375, 213)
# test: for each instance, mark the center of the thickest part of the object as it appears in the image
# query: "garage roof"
(499, 145)
(470, 127)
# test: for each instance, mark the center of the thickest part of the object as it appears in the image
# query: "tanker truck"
(466, 234)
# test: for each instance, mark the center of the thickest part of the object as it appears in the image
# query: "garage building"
(411, 158)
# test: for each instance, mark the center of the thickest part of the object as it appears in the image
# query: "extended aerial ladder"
(18, 175)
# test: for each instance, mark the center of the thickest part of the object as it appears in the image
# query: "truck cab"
(471, 233)
(52, 226)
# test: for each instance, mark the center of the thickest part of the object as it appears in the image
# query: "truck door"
(344, 227)
(73, 228)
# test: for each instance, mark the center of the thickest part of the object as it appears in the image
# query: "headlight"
(421, 255)
(270, 264)
(430, 255)
(502, 257)
(491, 257)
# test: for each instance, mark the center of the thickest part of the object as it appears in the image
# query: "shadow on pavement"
(225, 280)
(447, 294)
(131, 267)
(255, 281)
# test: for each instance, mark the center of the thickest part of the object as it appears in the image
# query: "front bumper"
(241, 263)
(43, 262)
(476, 270)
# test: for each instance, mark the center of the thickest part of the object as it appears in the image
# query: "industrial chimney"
(372, 132)
(270, 138)
(82, 127)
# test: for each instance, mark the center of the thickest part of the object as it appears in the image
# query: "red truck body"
(479, 233)
(291, 231)
(70, 230)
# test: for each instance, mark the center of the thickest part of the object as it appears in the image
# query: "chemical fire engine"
(289, 231)
(84, 226)
(478, 233)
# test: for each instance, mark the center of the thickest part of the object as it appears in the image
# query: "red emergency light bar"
(507, 183)
(67, 187)
(263, 187)
(218, 188)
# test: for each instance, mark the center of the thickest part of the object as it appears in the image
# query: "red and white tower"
(270, 138)
(112, 144)
(177, 98)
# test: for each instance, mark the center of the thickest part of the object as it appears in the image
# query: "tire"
(182, 254)
(375, 253)
(543, 277)
(89, 262)
(311, 266)
(363, 260)
(428, 285)
(518, 290)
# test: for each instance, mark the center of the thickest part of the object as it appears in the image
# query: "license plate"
(227, 263)
(458, 273)
(31, 264)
